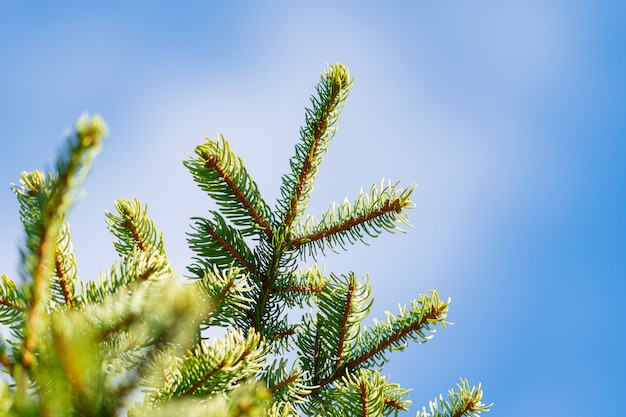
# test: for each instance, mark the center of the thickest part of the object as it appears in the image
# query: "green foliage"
(465, 401)
(137, 339)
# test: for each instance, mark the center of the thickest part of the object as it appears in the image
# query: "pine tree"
(135, 339)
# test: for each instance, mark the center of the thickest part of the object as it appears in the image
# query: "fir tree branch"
(122, 324)
(73, 372)
(396, 405)
(389, 206)
(165, 376)
(216, 367)
(364, 398)
(382, 209)
(362, 393)
(128, 224)
(230, 249)
(260, 307)
(212, 161)
(221, 174)
(139, 327)
(203, 380)
(222, 295)
(218, 244)
(63, 284)
(129, 221)
(135, 231)
(126, 274)
(227, 293)
(286, 387)
(326, 342)
(293, 376)
(466, 401)
(299, 288)
(317, 356)
(279, 261)
(149, 272)
(63, 279)
(37, 298)
(305, 172)
(83, 147)
(434, 314)
(11, 305)
(343, 328)
(319, 129)
(286, 333)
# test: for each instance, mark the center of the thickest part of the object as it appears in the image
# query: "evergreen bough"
(135, 340)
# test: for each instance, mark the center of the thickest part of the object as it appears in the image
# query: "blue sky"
(508, 114)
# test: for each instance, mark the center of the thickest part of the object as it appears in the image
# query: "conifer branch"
(317, 356)
(37, 298)
(293, 376)
(63, 279)
(286, 333)
(279, 262)
(434, 315)
(261, 303)
(138, 326)
(382, 209)
(334, 330)
(63, 284)
(396, 405)
(203, 380)
(286, 387)
(128, 224)
(364, 398)
(299, 288)
(135, 231)
(122, 323)
(218, 244)
(71, 170)
(222, 175)
(320, 123)
(227, 293)
(136, 267)
(222, 295)
(11, 305)
(230, 249)
(362, 393)
(74, 375)
(212, 161)
(216, 367)
(466, 401)
(148, 273)
(389, 206)
(304, 175)
(343, 328)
